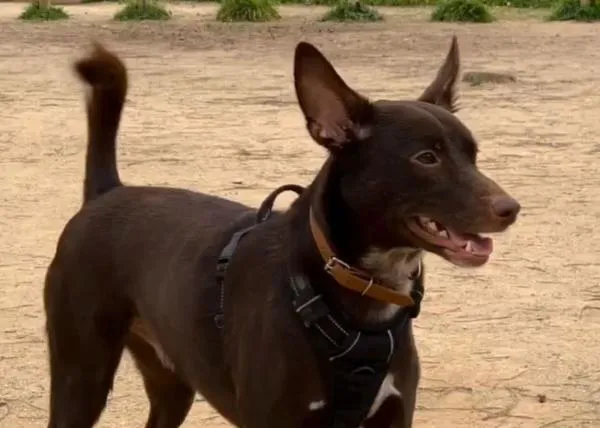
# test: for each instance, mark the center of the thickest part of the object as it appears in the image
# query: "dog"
(301, 318)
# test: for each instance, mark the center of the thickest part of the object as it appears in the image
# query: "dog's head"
(405, 169)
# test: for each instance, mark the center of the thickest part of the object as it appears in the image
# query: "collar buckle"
(332, 262)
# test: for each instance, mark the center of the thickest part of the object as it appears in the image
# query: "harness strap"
(263, 213)
(315, 314)
(266, 208)
(358, 360)
(222, 264)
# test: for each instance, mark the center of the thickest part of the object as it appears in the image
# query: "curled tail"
(106, 76)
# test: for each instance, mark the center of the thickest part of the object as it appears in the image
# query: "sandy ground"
(212, 108)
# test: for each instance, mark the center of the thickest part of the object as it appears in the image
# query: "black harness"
(358, 360)
(264, 212)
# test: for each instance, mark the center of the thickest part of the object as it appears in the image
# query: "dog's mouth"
(459, 248)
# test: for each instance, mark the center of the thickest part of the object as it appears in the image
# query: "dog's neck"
(395, 266)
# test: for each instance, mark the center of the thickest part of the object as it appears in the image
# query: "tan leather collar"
(352, 278)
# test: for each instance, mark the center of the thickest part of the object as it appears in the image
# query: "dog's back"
(117, 221)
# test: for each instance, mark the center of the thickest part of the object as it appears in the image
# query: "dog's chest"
(383, 411)
(395, 266)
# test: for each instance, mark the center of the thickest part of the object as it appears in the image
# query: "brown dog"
(306, 321)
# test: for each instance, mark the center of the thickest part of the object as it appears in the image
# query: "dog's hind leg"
(170, 398)
(86, 339)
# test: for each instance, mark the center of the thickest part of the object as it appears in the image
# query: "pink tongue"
(479, 245)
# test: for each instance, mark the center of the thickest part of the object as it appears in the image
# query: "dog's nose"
(505, 207)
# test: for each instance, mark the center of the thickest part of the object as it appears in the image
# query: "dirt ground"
(212, 108)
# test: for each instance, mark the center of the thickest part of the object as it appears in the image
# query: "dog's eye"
(426, 158)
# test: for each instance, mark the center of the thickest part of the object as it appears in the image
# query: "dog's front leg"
(407, 385)
(409, 397)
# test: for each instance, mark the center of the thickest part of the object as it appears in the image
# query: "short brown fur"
(135, 267)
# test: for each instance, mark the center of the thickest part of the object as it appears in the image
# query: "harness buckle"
(222, 264)
(219, 320)
(312, 310)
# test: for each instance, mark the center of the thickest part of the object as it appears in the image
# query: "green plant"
(102, 1)
(521, 4)
(350, 10)
(529, 4)
(400, 2)
(309, 2)
(38, 12)
(247, 11)
(142, 10)
(366, 2)
(461, 11)
(573, 10)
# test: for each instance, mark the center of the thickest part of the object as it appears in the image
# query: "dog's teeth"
(432, 226)
(468, 246)
(443, 233)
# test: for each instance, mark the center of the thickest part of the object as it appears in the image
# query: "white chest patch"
(394, 266)
(387, 389)
(316, 405)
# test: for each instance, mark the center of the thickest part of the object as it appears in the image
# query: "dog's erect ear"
(442, 90)
(335, 114)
